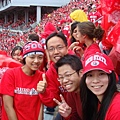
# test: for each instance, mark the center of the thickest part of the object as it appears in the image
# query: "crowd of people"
(60, 18)
(68, 60)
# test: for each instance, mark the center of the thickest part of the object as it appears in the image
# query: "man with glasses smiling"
(69, 69)
(56, 45)
(66, 76)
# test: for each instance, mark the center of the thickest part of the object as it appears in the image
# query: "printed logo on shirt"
(25, 91)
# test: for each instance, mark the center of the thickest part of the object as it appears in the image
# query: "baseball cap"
(31, 48)
(98, 61)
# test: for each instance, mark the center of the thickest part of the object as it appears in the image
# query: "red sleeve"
(52, 90)
(7, 83)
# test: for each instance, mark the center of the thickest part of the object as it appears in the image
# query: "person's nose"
(95, 79)
(65, 80)
(36, 60)
(56, 50)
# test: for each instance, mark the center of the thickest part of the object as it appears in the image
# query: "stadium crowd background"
(11, 35)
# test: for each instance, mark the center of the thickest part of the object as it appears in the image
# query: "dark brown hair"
(88, 28)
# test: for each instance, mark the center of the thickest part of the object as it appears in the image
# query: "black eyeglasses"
(59, 47)
(66, 76)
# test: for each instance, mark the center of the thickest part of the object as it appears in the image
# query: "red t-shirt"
(94, 16)
(113, 112)
(23, 89)
(91, 50)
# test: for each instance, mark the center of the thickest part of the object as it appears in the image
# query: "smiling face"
(97, 82)
(33, 62)
(69, 78)
(56, 48)
(17, 55)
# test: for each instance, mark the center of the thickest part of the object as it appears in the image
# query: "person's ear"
(84, 36)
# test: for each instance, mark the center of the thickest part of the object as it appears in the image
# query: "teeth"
(35, 65)
(57, 57)
(68, 86)
(97, 86)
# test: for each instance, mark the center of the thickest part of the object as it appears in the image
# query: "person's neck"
(89, 42)
(100, 98)
(28, 71)
(77, 90)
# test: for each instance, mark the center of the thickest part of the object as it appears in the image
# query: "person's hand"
(73, 45)
(41, 86)
(63, 108)
(78, 50)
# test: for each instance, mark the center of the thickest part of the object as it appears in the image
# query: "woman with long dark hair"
(98, 91)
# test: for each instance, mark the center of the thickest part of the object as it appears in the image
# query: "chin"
(35, 69)
(54, 61)
(69, 90)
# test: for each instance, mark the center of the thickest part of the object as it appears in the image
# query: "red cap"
(32, 47)
(62, 21)
(98, 61)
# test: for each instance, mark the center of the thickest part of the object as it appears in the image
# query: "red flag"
(111, 16)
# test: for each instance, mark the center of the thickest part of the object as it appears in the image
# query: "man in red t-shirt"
(94, 16)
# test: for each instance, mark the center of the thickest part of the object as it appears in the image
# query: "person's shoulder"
(51, 69)
(113, 112)
(95, 47)
(117, 97)
(116, 101)
(13, 69)
(10, 73)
